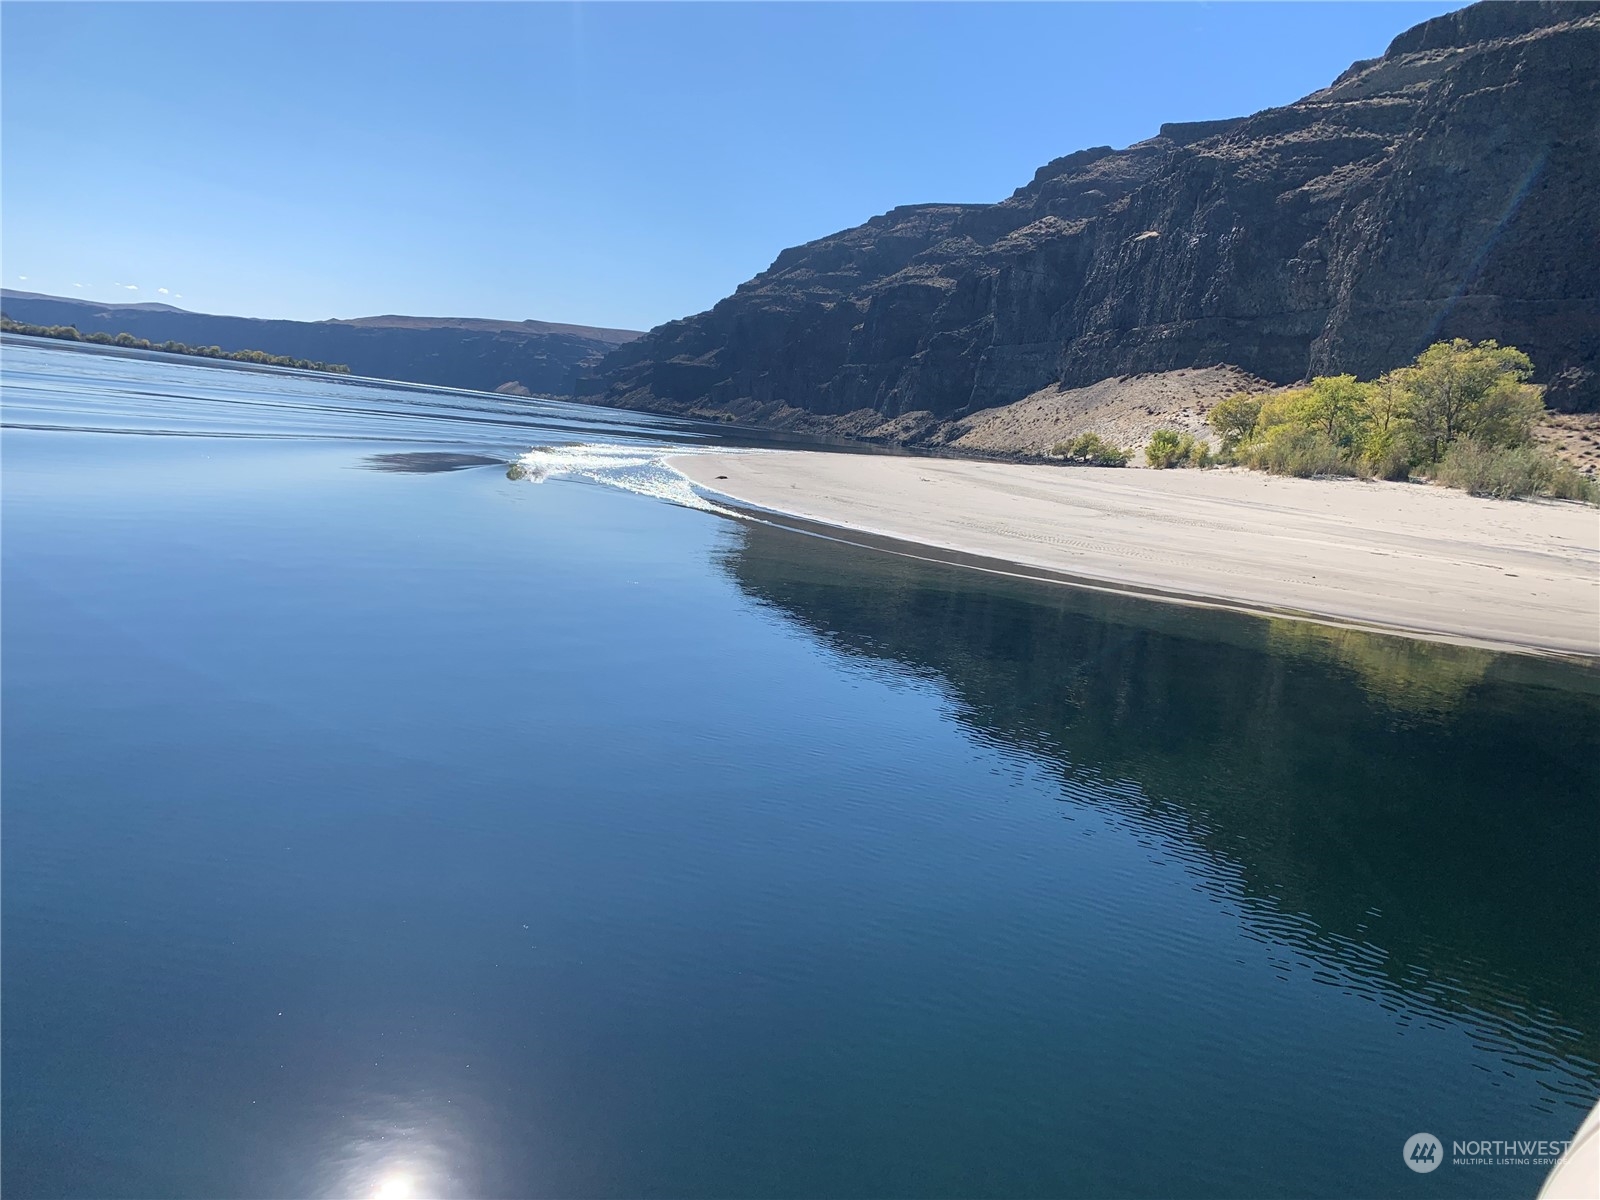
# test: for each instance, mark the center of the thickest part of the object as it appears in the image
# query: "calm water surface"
(375, 821)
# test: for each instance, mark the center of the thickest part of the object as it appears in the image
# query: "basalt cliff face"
(1450, 188)
(534, 356)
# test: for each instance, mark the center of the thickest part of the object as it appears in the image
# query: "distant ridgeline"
(1445, 190)
(67, 333)
(463, 352)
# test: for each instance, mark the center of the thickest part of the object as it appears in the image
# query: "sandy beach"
(1409, 558)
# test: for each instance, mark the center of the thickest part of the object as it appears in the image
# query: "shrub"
(1294, 450)
(1486, 471)
(1569, 483)
(1169, 448)
(1391, 461)
(1092, 449)
(1166, 448)
(1510, 471)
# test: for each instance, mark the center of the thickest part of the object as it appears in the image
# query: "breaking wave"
(639, 469)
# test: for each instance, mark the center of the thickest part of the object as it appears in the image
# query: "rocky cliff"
(1450, 188)
(543, 358)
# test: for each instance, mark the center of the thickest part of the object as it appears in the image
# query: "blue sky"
(607, 164)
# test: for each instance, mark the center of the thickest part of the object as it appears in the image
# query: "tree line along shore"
(70, 333)
(1460, 414)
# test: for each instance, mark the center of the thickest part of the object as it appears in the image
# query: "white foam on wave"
(632, 468)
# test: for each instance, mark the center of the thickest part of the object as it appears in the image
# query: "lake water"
(372, 827)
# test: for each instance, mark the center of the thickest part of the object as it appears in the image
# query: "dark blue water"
(375, 823)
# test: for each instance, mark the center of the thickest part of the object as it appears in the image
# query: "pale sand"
(1408, 558)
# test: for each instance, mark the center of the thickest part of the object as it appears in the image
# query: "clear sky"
(604, 164)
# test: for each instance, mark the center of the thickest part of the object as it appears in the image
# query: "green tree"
(1337, 407)
(1235, 419)
(1387, 411)
(1388, 446)
(1457, 389)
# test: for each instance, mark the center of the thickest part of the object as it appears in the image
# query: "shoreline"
(1397, 558)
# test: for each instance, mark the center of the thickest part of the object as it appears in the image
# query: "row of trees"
(70, 333)
(1461, 414)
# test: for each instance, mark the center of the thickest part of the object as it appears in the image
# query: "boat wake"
(642, 470)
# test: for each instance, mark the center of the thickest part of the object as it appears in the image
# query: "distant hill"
(466, 352)
(1450, 188)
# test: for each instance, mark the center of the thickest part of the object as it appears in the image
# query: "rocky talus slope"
(1450, 188)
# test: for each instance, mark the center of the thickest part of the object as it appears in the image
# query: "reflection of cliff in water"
(1423, 817)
